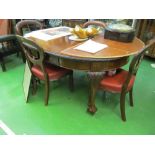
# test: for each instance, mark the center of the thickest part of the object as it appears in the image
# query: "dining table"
(61, 51)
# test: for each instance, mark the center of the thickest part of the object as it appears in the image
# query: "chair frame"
(29, 46)
(9, 46)
(26, 23)
(97, 23)
(133, 68)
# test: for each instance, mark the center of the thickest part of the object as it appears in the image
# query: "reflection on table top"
(64, 46)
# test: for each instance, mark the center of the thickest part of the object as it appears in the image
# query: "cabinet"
(146, 31)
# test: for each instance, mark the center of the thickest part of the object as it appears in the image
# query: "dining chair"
(25, 26)
(123, 81)
(41, 70)
(73, 22)
(95, 23)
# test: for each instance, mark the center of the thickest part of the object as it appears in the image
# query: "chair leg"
(46, 92)
(34, 85)
(131, 97)
(3, 65)
(122, 106)
(71, 82)
(104, 95)
(17, 53)
(23, 57)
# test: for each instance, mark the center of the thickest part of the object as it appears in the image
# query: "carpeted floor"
(66, 113)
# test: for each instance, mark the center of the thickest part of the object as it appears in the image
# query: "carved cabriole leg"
(94, 77)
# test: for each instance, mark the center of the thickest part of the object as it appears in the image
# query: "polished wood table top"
(64, 47)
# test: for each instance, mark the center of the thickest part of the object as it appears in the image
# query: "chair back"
(34, 54)
(96, 23)
(134, 65)
(28, 26)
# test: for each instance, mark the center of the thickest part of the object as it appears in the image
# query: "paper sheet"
(91, 46)
(39, 35)
(49, 33)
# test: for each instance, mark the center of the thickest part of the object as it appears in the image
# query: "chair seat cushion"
(53, 72)
(115, 83)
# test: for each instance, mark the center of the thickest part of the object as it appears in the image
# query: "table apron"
(91, 66)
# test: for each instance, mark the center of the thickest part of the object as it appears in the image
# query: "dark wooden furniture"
(25, 26)
(8, 42)
(146, 31)
(151, 51)
(8, 46)
(62, 53)
(35, 56)
(123, 81)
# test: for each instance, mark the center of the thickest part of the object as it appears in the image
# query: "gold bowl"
(83, 33)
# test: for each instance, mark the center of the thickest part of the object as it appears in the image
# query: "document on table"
(49, 34)
(39, 35)
(91, 46)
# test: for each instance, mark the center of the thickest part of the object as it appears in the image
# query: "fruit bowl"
(83, 33)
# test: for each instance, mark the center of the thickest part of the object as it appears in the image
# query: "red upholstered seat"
(115, 83)
(53, 72)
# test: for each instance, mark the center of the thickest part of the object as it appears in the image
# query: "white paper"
(91, 46)
(40, 35)
(49, 34)
(153, 65)
(26, 81)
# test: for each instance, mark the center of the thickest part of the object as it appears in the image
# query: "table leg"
(94, 78)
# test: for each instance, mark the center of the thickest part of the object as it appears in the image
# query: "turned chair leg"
(131, 97)
(34, 85)
(71, 82)
(46, 92)
(122, 106)
(23, 57)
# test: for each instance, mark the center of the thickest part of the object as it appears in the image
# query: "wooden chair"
(8, 46)
(122, 82)
(73, 22)
(96, 23)
(25, 26)
(40, 69)
(8, 42)
(151, 52)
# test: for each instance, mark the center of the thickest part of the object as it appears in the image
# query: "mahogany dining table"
(62, 53)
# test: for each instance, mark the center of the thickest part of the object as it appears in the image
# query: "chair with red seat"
(35, 57)
(123, 81)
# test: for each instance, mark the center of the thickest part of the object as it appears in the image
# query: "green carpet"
(66, 113)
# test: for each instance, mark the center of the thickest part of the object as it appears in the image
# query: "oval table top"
(62, 46)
